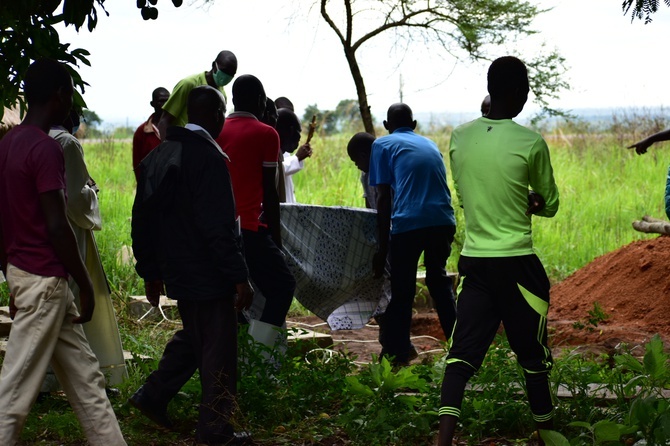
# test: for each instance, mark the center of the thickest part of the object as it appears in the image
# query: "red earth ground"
(631, 285)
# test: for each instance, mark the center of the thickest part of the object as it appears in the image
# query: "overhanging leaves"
(641, 9)
(27, 34)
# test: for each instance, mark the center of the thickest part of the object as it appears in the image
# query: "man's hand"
(378, 263)
(641, 146)
(535, 203)
(12, 307)
(87, 302)
(304, 151)
(153, 290)
(245, 294)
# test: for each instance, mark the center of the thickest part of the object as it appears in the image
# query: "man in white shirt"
(288, 127)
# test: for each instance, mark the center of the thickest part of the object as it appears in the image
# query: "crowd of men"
(206, 232)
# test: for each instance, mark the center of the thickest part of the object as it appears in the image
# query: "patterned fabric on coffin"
(329, 251)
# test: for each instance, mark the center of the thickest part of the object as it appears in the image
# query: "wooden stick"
(312, 128)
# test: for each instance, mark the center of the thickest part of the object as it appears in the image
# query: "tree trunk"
(366, 115)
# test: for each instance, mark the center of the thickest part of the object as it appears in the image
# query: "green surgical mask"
(221, 78)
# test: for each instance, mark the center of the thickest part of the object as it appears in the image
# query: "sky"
(612, 63)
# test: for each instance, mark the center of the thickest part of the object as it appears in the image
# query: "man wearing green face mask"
(223, 70)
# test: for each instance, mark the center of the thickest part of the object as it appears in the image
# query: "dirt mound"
(631, 284)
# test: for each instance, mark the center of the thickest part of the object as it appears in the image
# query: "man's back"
(30, 163)
(197, 247)
(413, 166)
(493, 163)
(250, 145)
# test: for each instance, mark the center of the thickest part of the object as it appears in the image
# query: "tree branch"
(350, 21)
(331, 23)
(403, 22)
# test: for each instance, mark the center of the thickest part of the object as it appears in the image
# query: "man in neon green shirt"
(503, 176)
(223, 70)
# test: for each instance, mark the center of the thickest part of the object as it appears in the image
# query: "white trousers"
(42, 334)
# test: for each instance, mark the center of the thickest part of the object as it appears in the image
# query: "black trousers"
(268, 269)
(406, 248)
(511, 290)
(208, 342)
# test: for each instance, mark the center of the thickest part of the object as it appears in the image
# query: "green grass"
(110, 164)
(603, 188)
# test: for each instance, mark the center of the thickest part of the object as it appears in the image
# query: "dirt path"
(426, 335)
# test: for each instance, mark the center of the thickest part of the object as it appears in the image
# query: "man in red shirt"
(38, 252)
(253, 149)
(147, 137)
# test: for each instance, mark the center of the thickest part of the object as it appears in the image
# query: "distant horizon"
(448, 117)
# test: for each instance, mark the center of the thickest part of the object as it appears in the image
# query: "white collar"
(194, 127)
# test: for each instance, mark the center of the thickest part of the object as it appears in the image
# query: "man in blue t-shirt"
(414, 206)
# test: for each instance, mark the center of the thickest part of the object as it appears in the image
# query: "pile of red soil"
(631, 285)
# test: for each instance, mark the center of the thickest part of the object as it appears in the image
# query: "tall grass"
(329, 177)
(603, 187)
(110, 164)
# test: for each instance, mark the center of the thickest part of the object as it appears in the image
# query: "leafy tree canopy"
(641, 9)
(27, 33)
(91, 118)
